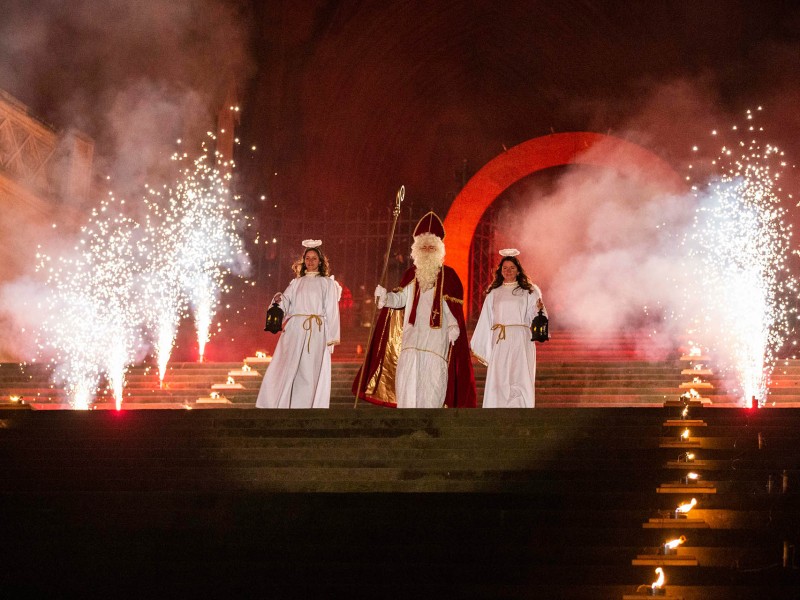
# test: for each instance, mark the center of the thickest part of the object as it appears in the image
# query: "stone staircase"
(559, 384)
(573, 370)
(544, 503)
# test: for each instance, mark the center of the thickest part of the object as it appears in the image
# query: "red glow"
(529, 157)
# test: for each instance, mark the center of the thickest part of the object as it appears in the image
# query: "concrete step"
(559, 383)
(543, 503)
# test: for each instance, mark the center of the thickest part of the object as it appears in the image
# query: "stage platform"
(561, 384)
(473, 504)
(572, 371)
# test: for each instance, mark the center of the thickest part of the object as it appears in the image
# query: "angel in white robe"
(299, 374)
(502, 336)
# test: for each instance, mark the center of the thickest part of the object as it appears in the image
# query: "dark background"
(344, 101)
(351, 99)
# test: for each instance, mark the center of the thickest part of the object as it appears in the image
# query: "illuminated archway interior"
(494, 178)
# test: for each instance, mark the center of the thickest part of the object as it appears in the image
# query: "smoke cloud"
(612, 248)
(134, 77)
(605, 249)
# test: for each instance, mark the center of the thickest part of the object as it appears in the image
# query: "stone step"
(543, 503)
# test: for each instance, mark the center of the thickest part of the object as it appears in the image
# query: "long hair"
(522, 278)
(299, 266)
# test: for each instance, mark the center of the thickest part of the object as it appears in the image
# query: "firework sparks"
(738, 248)
(93, 326)
(127, 284)
(164, 302)
(208, 243)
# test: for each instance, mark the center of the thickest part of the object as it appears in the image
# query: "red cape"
(460, 375)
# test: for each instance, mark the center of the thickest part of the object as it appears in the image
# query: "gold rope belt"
(502, 329)
(308, 325)
(447, 360)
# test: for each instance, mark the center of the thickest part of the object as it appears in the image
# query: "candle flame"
(659, 583)
(672, 544)
(686, 507)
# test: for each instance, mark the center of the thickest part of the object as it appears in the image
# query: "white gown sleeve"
(332, 327)
(450, 323)
(398, 299)
(536, 295)
(287, 298)
(481, 343)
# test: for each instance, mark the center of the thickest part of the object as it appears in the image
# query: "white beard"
(428, 264)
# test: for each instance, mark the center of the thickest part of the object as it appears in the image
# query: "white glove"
(380, 294)
(452, 334)
(330, 348)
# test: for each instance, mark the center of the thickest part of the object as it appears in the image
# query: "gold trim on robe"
(382, 383)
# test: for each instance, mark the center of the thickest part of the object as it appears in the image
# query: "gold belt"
(502, 328)
(308, 325)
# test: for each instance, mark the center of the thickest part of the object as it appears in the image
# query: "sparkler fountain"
(128, 284)
(93, 326)
(72, 335)
(738, 247)
(164, 304)
(208, 246)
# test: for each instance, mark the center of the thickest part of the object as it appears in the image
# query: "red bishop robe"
(377, 385)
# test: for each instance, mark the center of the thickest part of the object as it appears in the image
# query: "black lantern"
(539, 331)
(274, 319)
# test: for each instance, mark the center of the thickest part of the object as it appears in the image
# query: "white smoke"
(604, 247)
(619, 254)
(134, 77)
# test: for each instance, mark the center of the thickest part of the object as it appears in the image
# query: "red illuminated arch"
(534, 155)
